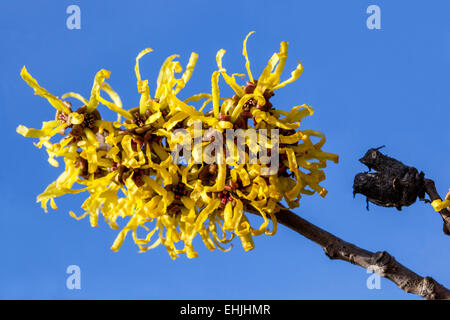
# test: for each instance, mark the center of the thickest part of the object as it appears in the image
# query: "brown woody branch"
(380, 262)
(430, 189)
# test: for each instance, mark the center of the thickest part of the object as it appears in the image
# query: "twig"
(380, 262)
(430, 189)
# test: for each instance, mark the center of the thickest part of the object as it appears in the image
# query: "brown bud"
(246, 114)
(224, 117)
(250, 87)
(96, 115)
(77, 130)
(212, 168)
(148, 136)
(268, 94)
(81, 110)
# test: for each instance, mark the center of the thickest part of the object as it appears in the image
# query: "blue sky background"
(368, 87)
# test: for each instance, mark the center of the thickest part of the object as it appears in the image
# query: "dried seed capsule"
(393, 185)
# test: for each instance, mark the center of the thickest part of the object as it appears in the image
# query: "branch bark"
(379, 262)
(430, 189)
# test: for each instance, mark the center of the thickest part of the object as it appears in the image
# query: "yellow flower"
(127, 166)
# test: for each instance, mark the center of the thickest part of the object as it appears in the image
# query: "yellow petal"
(95, 92)
(215, 93)
(294, 76)
(76, 96)
(244, 53)
(54, 101)
(116, 108)
(439, 205)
